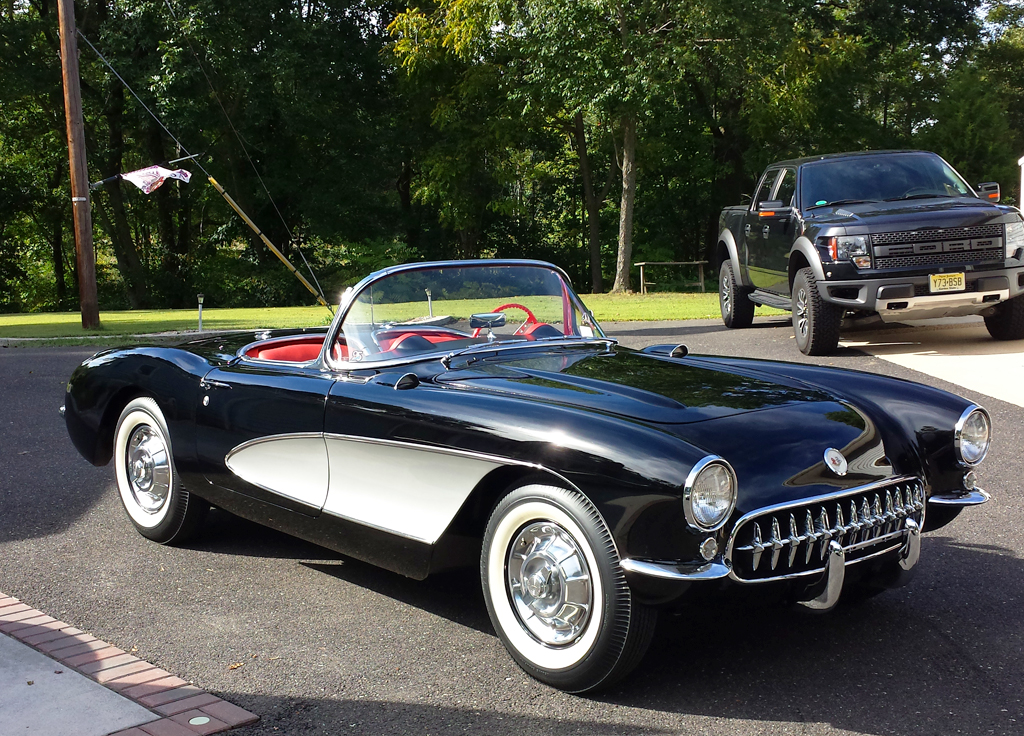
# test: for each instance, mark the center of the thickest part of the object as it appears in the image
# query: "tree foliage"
(592, 133)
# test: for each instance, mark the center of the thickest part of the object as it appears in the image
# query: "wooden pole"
(79, 174)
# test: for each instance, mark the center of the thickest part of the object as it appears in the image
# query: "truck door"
(781, 226)
(756, 233)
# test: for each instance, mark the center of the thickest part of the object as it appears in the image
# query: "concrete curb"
(182, 709)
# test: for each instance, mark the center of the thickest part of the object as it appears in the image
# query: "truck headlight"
(856, 248)
(1014, 237)
(972, 436)
(709, 495)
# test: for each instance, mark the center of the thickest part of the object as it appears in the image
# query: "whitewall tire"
(153, 497)
(555, 593)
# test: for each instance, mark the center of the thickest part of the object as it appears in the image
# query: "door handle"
(765, 230)
(746, 229)
(206, 384)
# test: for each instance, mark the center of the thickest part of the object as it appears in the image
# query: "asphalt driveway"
(318, 644)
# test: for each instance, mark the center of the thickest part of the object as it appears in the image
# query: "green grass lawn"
(606, 307)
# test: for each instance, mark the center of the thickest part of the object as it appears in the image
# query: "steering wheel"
(530, 318)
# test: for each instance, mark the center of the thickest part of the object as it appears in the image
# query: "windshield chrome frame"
(351, 294)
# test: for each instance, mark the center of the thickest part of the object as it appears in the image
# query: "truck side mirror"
(989, 190)
(771, 204)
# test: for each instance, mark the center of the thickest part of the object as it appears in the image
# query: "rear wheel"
(737, 309)
(815, 321)
(157, 504)
(1007, 323)
(555, 592)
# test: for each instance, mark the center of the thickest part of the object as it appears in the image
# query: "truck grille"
(940, 259)
(950, 233)
(793, 540)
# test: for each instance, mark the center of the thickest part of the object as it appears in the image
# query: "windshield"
(886, 177)
(443, 309)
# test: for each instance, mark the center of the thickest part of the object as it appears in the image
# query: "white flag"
(150, 178)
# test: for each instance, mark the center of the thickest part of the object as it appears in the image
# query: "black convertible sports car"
(474, 412)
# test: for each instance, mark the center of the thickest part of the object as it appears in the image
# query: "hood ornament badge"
(835, 461)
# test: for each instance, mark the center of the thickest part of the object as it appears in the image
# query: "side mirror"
(989, 190)
(771, 204)
(774, 209)
(487, 320)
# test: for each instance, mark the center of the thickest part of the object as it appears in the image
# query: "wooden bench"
(644, 283)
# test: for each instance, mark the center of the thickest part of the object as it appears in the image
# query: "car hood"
(630, 384)
(910, 214)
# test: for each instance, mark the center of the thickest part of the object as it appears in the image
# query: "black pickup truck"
(899, 234)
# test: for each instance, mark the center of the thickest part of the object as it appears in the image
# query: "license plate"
(947, 282)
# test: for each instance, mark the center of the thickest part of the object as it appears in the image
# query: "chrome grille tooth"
(918, 498)
(899, 503)
(890, 517)
(840, 527)
(758, 547)
(824, 532)
(776, 542)
(794, 539)
(876, 510)
(854, 525)
(810, 536)
(865, 515)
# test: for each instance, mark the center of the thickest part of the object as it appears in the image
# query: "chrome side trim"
(714, 570)
(404, 488)
(959, 430)
(62, 409)
(291, 465)
(967, 498)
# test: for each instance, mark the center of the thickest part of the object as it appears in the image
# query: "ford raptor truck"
(899, 234)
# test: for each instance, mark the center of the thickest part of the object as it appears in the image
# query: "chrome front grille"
(950, 233)
(792, 540)
(940, 259)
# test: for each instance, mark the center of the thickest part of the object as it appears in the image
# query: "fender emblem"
(835, 461)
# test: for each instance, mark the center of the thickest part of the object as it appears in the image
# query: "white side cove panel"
(292, 465)
(411, 490)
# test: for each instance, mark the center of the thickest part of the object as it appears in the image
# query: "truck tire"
(1008, 321)
(815, 321)
(737, 310)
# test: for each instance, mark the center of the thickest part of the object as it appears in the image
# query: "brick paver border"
(177, 702)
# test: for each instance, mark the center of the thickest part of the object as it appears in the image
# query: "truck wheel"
(815, 321)
(737, 310)
(1008, 321)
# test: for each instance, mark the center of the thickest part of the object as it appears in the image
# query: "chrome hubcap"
(800, 312)
(149, 469)
(726, 296)
(549, 583)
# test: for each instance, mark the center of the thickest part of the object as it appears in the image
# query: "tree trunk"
(592, 205)
(116, 221)
(623, 262)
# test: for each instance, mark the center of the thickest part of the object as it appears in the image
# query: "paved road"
(332, 646)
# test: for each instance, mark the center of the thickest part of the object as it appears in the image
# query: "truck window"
(886, 176)
(786, 188)
(764, 192)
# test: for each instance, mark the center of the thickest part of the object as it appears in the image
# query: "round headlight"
(973, 436)
(710, 494)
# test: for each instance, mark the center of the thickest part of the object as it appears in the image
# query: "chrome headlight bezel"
(688, 493)
(958, 437)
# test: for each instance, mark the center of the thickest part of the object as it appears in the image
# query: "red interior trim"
(300, 350)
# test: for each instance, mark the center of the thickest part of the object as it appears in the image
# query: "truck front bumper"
(907, 297)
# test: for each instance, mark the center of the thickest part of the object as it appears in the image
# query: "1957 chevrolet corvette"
(474, 412)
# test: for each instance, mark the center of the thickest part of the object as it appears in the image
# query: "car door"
(259, 432)
(756, 232)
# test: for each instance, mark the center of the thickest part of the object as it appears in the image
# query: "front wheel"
(815, 321)
(1007, 321)
(157, 504)
(555, 592)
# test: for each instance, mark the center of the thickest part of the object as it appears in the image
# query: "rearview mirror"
(487, 320)
(989, 190)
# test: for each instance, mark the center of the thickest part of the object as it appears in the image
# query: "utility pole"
(84, 252)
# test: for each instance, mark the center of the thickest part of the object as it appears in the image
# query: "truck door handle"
(765, 230)
(746, 229)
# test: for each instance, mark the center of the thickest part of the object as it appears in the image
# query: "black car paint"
(627, 441)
